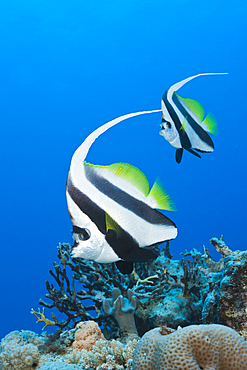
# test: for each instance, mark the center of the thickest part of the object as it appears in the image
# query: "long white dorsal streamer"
(81, 153)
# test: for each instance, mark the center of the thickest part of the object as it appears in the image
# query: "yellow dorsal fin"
(210, 124)
(131, 174)
(127, 172)
(194, 106)
(160, 197)
(111, 224)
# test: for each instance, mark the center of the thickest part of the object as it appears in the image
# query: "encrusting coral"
(211, 347)
(87, 333)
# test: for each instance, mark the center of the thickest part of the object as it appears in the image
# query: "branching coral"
(168, 291)
(41, 318)
(96, 281)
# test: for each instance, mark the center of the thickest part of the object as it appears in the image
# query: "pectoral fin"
(112, 225)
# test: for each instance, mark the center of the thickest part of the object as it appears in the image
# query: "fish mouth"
(75, 245)
(75, 250)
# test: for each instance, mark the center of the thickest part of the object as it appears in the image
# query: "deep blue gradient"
(68, 67)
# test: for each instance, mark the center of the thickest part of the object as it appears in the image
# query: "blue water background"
(68, 67)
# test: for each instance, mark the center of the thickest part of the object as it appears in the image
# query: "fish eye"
(165, 124)
(84, 234)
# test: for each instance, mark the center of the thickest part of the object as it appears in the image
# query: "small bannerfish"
(112, 210)
(183, 124)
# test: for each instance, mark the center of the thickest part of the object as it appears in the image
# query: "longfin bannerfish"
(183, 123)
(112, 209)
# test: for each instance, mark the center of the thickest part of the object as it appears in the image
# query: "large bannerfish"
(112, 209)
(183, 123)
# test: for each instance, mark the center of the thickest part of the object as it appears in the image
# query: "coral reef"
(123, 310)
(19, 350)
(86, 335)
(194, 347)
(164, 292)
(112, 355)
(95, 281)
(58, 366)
(41, 318)
(26, 350)
(227, 301)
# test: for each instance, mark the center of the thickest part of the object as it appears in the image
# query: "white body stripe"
(171, 135)
(196, 142)
(142, 231)
(96, 248)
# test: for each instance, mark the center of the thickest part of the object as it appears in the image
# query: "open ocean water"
(68, 67)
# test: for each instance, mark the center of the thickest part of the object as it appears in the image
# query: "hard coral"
(109, 355)
(232, 297)
(57, 365)
(87, 334)
(171, 292)
(211, 347)
(20, 351)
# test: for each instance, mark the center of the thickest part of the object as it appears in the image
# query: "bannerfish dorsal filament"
(112, 209)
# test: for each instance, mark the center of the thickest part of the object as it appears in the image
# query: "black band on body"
(87, 206)
(184, 139)
(126, 200)
(203, 135)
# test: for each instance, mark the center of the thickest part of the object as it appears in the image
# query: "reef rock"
(227, 301)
